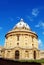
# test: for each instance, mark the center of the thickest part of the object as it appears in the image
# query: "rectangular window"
(18, 37)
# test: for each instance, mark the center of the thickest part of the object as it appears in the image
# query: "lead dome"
(22, 24)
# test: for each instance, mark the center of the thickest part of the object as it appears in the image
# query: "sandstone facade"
(21, 43)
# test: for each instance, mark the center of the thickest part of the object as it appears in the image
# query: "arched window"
(34, 54)
(16, 54)
(26, 54)
(8, 53)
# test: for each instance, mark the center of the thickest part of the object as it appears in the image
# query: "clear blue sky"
(32, 11)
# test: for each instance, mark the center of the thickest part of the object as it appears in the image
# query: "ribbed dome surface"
(22, 24)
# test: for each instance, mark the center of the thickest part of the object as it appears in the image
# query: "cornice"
(21, 32)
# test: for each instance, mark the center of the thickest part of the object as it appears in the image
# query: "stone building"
(21, 43)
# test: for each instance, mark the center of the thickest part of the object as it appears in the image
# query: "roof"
(21, 24)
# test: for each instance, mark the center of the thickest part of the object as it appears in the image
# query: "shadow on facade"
(10, 62)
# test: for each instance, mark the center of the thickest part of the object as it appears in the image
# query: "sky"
(32, 11)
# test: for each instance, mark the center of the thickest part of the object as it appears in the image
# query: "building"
(21, 43)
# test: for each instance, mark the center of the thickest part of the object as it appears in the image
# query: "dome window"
(20, 23)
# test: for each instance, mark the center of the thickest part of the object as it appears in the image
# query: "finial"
(21, 19)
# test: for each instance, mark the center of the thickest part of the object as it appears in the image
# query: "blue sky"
(32, 11)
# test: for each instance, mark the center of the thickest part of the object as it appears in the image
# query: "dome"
(21, 27)
(22, 24)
